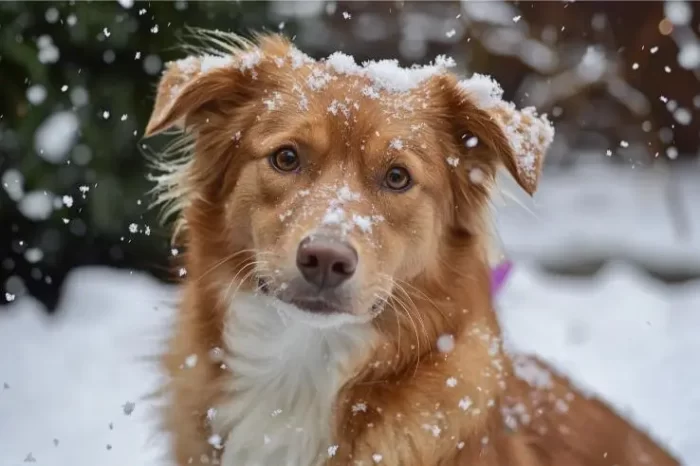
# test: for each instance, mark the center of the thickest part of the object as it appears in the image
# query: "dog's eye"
(285, 160)
(397, 179)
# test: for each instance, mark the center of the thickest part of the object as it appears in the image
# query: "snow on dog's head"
(332, 181)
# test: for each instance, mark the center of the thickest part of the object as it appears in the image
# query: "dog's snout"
(326, 263)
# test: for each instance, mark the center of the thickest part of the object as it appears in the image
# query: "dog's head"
(337, 182)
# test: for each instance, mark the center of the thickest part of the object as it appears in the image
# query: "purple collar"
(499, 275)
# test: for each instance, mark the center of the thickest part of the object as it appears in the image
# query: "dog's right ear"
(186, 86)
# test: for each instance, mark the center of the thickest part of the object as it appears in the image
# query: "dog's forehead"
(330, 108)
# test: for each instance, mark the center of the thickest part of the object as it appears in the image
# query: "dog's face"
(340, 187)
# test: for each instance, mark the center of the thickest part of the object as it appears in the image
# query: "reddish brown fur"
(433, 243)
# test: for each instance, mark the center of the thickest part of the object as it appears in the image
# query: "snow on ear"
(528, 135)
(185, 86)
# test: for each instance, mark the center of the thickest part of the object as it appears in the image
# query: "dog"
(337, 305)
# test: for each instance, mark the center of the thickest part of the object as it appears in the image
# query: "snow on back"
(528, 370)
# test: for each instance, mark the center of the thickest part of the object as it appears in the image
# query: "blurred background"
(619, 79)
(615, 227)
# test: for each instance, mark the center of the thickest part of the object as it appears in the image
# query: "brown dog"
(337, 304)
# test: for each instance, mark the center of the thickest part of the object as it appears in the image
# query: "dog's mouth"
(310, 302)
(305, 301)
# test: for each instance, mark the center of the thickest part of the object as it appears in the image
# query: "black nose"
(326, 263)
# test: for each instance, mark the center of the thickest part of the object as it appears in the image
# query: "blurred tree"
(76, 90)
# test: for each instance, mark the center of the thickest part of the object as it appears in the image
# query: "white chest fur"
(287, 368)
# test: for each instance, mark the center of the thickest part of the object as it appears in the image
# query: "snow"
(387, 74)
(689, 56)
(678, 12)
(80, 378)
(36, 205)
(483, 89)
(48, 52)
(13, 182)
(497, 13)
(56, 136)
(72, 378)
(599, 212)
(593, 64)
(36, 94)
(643, 336)
(445, 343)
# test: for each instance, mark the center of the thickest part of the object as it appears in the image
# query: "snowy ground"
(597, 212)
(66, 385)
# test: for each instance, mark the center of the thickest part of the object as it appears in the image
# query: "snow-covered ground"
(598, 211)
(67, 384)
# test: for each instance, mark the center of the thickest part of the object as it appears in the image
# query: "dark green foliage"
(104, 50)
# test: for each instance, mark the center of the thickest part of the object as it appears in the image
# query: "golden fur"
(425, 258)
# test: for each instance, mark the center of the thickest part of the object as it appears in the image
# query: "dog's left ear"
(515, 139)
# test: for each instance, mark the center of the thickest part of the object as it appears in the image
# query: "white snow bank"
(622, 335)
(69, 380)
(601, 211)
(630, 340)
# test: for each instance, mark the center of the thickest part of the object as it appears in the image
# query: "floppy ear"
(518, 139)
(185, 87)
(224, 77)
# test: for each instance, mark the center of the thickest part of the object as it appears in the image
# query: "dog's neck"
(285, 376)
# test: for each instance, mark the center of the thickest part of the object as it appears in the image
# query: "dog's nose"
(326, 263)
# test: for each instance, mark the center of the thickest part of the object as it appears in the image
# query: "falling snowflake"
(445, 343)
(359, 408)
(465, 403)
(472, 142)
(191, 361)
(215, 441)
(396, 143)
(128, 407)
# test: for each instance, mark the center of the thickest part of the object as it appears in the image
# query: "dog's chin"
(316, 311)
